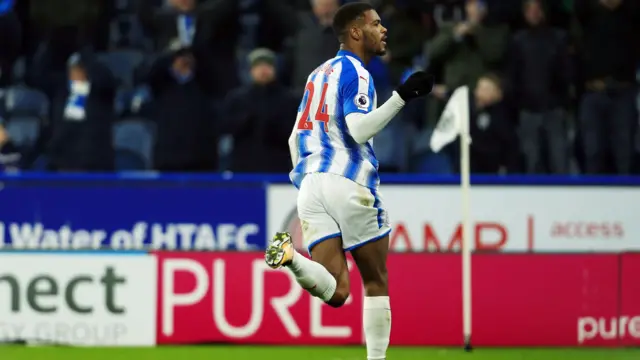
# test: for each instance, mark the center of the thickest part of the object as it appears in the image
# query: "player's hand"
(418, 84)
(462, 29)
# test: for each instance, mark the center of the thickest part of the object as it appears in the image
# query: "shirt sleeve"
(356, 90)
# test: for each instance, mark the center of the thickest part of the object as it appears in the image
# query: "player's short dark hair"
(346, 14)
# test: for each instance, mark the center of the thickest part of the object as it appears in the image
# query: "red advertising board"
(235, 297)
(518, 300)
(628, 322)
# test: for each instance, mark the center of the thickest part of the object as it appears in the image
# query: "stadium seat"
(41, 163)
(123, 64)
(23, 130)
(432, 163)
(25, 101)
(126, 160)
(133, 138)
(19, 70)
(122, 101)
(125, 29)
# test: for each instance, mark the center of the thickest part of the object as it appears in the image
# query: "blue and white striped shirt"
(320, 141)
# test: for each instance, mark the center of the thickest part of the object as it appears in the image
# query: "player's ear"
(355, 33)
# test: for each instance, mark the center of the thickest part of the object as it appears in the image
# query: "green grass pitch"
(305, 353)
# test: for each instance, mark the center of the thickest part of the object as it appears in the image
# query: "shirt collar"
(349, 53)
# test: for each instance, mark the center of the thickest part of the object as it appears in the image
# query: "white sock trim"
(376, 302)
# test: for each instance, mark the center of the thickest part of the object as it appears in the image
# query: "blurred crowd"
(214, 85)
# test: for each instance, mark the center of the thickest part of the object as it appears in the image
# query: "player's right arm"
(364, 124)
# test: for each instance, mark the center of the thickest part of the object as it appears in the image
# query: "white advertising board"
(83, 300)
(515, 218)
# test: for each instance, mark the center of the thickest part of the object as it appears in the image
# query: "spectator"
(470, 48)
(186, 133)
(464, 51)
(609, 54)
(186, 24)
(10, 40)
(494, 148)
(73, 24)
(176, 25)
(539, 75)
(213, 28)
(83, 115)
(406, 40)
(315, 42)
(260, 117)
(62, 28)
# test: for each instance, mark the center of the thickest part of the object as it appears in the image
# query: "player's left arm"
(357, 103)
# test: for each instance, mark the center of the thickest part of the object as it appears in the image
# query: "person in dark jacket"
(185, 23)
(540, 76)
(186, 130)
(82, 117)
(260, 117)
(494, 146)
(609, 52)
(314, 42)
(212, 28)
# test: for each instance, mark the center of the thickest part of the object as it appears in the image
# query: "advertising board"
(88, 300)
(518, 300)
(517, 218)
(235, 297)
(158, 215)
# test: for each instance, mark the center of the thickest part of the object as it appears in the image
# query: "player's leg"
(325, 275)
(330, 255)
(365, 232)
(371, 259)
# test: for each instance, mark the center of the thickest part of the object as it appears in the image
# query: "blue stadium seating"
(133, 140)
(24, 101)
(123, 64)
(23, 130)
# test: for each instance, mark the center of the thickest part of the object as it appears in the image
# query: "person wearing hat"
(262, 64)
(259, 116)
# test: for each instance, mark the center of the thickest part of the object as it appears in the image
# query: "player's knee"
(339, 297)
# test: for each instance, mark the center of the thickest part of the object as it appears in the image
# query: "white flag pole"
(465, 185)
(454, 123)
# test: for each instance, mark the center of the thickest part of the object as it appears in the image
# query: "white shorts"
(330, 205)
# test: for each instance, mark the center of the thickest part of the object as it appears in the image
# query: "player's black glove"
(418, 84)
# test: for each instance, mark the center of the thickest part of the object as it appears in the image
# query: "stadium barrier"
(163, 298)
(215, 212)
(552, 265)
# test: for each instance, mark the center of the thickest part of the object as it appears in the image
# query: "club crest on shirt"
(362, 101)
